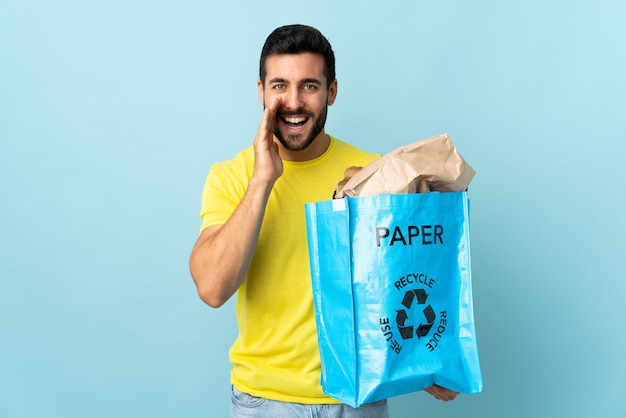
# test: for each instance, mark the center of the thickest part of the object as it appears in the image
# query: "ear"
(332, 93)
(259, 86)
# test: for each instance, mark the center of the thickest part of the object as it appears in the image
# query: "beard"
(296, 142)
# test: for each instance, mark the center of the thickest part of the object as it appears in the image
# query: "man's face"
(305, 96)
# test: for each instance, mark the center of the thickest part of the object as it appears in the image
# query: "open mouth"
(294, 121)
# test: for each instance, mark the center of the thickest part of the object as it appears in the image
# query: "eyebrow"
(305, 80)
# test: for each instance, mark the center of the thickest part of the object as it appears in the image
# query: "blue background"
(111, 113)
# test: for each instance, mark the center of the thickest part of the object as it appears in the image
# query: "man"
(253, 238)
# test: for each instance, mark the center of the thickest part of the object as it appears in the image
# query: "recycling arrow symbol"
(407, 331)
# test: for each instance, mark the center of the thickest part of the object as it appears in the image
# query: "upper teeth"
(295, 119)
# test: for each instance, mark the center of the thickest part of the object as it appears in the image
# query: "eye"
(311, 87)
(278, 87)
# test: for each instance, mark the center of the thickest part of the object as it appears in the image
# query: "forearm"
(221, 257)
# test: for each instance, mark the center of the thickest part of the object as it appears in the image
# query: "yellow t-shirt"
(275, 355)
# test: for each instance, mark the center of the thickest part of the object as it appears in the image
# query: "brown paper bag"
(431, 164)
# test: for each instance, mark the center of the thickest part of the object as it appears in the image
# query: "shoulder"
(230, 177)
(345, 149)
(241, 165)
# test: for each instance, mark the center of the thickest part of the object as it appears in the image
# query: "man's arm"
(222, 254)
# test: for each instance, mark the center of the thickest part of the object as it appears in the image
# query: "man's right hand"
(268, 166)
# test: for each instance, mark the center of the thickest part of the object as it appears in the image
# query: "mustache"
(287, 112)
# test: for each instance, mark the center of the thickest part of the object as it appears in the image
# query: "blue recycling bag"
(392, 293)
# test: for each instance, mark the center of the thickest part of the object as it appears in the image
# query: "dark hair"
(296, 39)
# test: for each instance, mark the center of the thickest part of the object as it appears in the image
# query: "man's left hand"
(441, 393)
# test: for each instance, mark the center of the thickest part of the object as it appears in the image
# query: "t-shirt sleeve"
(223, 190)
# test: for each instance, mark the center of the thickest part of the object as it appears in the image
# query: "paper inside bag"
(431, 164)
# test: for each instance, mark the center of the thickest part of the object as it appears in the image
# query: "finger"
(431, 391)
(441, 389)
(446, 394)
(441, 393)
(269, 116)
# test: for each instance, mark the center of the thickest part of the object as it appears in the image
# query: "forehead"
(295, 67)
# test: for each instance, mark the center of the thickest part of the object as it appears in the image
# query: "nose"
(292, 99)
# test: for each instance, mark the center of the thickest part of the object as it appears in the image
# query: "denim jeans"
(243, 405)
